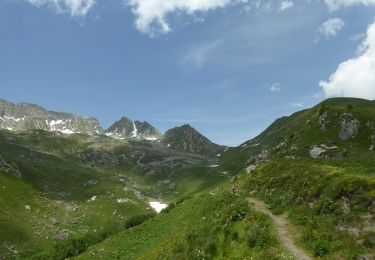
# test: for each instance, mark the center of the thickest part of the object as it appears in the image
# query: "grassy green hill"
(57, 187)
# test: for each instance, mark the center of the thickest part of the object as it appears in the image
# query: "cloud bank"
(355, 77)
(74, 7)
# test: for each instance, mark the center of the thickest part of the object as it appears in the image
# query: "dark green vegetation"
(86, 196)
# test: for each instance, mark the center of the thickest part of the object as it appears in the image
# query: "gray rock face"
(317, 152)
(323, 121)
(23, 116)
(10, 168)
(349, 127)
(126, 128)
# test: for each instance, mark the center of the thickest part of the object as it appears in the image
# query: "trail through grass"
(281, 224)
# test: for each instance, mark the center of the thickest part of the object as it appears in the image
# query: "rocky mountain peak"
(126, 128)
(188, 139)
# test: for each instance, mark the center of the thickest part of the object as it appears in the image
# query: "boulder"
(317, 152)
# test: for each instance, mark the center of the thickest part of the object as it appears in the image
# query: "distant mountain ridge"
(22, 116)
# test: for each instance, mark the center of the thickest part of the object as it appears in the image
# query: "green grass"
(210, 225)
(313, 195)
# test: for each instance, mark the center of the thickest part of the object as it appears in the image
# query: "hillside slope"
(327, 194)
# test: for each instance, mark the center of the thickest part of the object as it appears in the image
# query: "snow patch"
(213, 166)
(135, 130)
(14, 119)
(151, 138)
(157, 206)
(67, 131)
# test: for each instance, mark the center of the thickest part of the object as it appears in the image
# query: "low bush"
(137, 220)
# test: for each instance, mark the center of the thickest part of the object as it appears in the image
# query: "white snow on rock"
(151, 138)
(53, 123)
(157, 206)
(67, 131)
(213, 166)
(14, 119)
(135, 130)
(93, 198)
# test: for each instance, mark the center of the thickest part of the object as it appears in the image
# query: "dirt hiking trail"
(281, 224)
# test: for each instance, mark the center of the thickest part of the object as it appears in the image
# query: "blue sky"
(228, 68)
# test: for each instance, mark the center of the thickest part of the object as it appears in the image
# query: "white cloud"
(151, 14)
(74, 7)
(284, 5)
(336, 4)
(331, 27)
(355, 77)
(276, 87)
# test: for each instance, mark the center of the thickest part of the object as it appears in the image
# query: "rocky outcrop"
(349, 127)
(317, 152)
(10, 168)
(255, 160)
(97, 158)
(323, 121)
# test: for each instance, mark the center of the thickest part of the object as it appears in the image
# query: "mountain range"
(23, 116)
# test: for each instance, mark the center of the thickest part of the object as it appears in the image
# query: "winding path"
(281, 224)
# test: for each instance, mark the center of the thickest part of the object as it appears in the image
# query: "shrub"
(137, 220)
(169, 208)
(72, 247)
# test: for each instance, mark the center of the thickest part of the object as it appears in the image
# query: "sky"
(229, 68)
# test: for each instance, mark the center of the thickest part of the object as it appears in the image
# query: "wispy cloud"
(276, 87)
(76, 8)
(297, 105)
(198, 55)
(284, 5)
(331, 27)
(333, 5)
